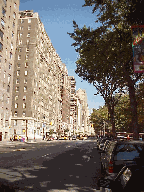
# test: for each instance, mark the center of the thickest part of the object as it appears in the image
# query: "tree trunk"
(112, 119)
(133, 104)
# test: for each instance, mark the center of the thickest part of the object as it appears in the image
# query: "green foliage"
(66, 130)
(105, 53)
(51, 131)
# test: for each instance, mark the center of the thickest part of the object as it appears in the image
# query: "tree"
(106, 51)
(98, 117)
(51, 131)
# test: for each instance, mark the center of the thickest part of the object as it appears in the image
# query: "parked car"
(129, 178)
(65, 137)
(74, 137)
(61, 138)
(118, 153)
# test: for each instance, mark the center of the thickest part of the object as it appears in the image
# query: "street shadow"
(76, 169)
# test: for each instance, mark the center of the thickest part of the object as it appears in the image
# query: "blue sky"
(57, 17)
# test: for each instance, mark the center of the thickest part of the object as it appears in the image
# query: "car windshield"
(128, 151)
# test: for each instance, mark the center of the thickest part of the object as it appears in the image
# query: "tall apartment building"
(65, 99)
(8, 33)
(73, 108)
(81, 93)
(36, 104)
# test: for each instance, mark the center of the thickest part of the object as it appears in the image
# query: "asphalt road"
(49, 166)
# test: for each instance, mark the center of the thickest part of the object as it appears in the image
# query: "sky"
(57, 17)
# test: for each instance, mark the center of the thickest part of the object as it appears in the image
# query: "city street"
(49, 166)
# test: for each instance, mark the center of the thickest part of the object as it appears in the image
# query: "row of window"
(18, 81)
(26, 57)
(25, 73)
(3, 23)
(16, 114)
(17, 89)
(24, 98)
(29, 20)
(16, 105)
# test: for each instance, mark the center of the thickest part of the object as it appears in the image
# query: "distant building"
(65, 95)
(81, 94)
(8, 35)
(73, 108)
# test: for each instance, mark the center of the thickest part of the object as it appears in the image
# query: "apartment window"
(10, 66)
(5, 2)
(27, 57)
(9, 78)
(24, 105)
(19, 57)
(8, 99)
(29, 20)
(20, 34)
(27, 49)
(21, 28)
(2, 23)
(1, 35)
(8, 88)
(24, 114)
(15, 121)
(16, 97)
(25, 81)
(24, 98)
(15, 114)
(22, 20)
(20, 42)
(12, 34)
(26, 72)
(11, 46)
(13, 24)
(18, 65)
(15, 5)
(29, 27)
(25, 89)
(17, 89)
(3, 11)
(16, 105)
(14, 15)
(1, 46)
(26, 65)
(20, 49)
(18, 72)
(17, 81)
(28, 35)
(10, 55)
